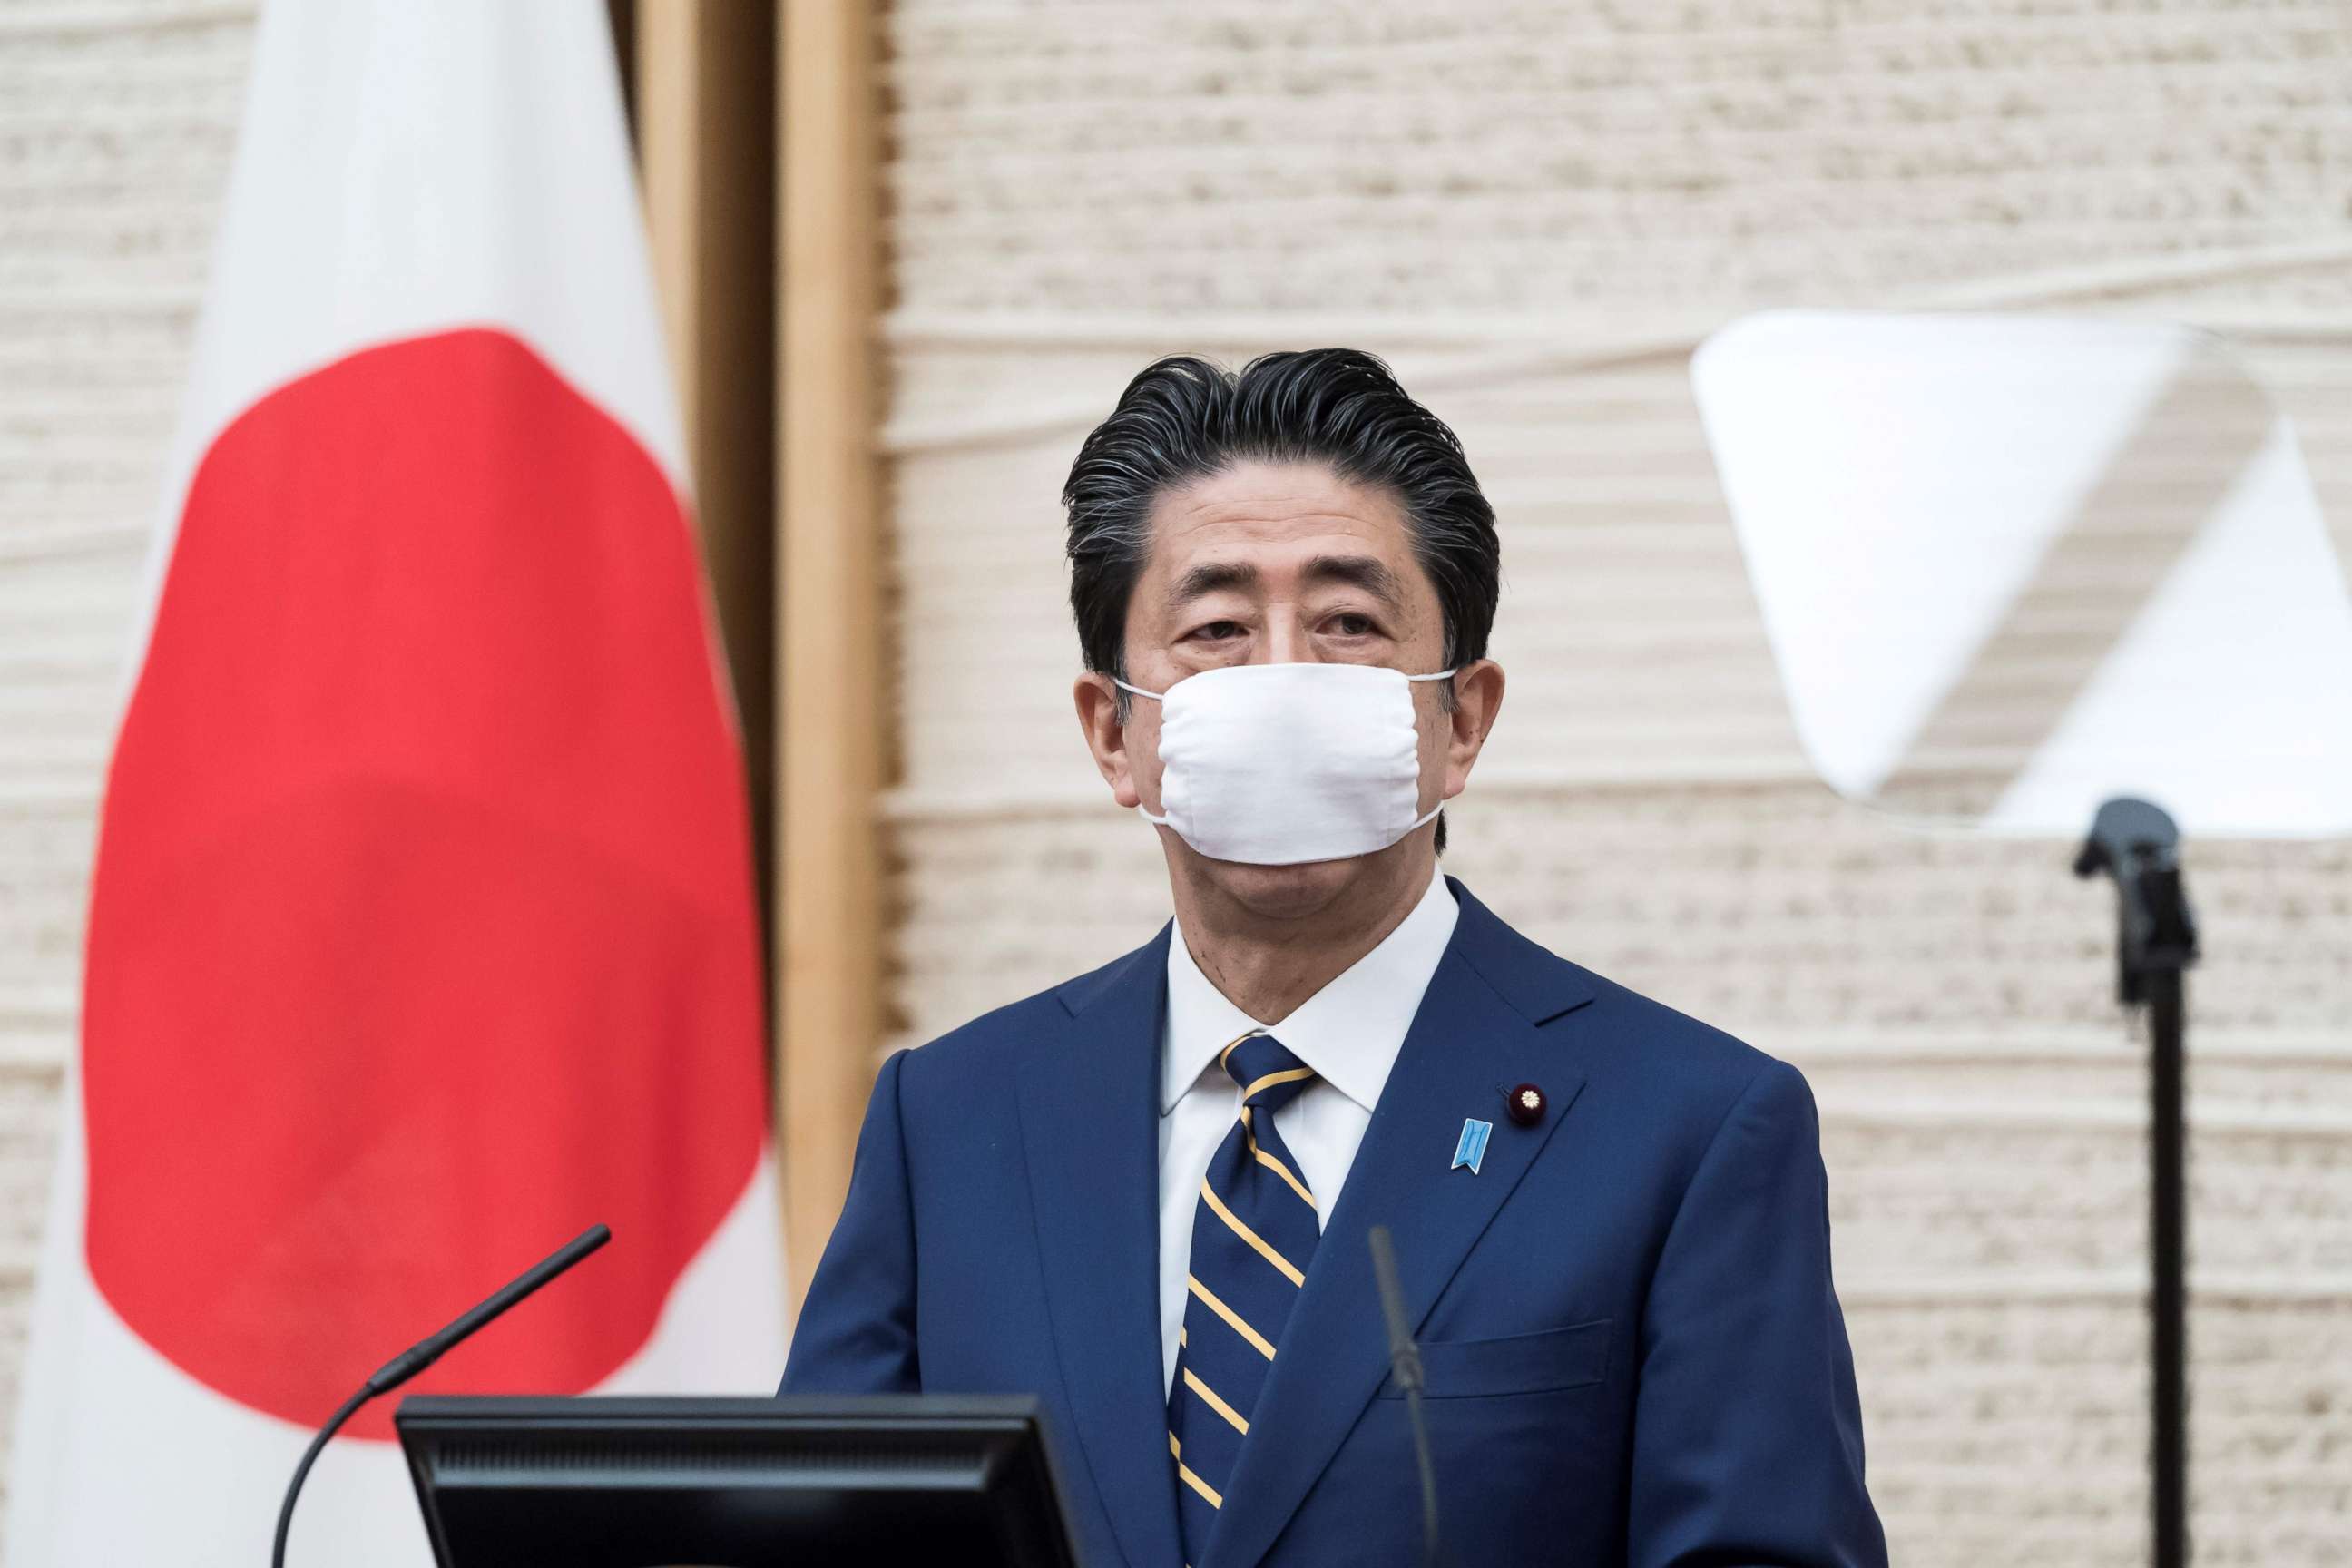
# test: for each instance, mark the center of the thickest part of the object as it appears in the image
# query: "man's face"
(1279, 563)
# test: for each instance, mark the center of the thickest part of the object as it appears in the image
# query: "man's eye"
(1216, 631)
(1352, 626)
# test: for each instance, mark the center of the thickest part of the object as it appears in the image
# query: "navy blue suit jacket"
(1633, 1351)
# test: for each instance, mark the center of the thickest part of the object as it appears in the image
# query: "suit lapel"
(1477, 1034)
(1090, 1128)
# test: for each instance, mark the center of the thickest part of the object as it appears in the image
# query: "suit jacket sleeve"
(1747, 1432)
(856, 1329)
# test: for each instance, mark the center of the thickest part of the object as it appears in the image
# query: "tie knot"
(1269, 1075)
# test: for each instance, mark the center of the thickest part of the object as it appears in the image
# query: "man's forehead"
(1274, 511)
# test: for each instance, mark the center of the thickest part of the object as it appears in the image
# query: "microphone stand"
(2139, 845)
(423, 1353)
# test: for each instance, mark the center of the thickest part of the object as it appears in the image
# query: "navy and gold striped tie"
(1253, 1231)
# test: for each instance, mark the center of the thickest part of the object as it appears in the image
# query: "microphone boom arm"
(423, 1353)
(1404, 1358)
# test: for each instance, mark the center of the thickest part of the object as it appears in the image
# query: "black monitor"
(734, 1483)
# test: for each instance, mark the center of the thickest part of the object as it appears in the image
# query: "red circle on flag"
(422, 932)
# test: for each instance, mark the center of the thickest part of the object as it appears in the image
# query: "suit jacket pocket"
(1519, 1363)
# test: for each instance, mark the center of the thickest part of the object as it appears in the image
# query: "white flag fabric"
(2010, 567)
(422, 932)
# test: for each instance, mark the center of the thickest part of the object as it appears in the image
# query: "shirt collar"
(1350, 1032)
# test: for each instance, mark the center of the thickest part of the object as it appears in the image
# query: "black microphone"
(423, 1353)
(1404, 1357)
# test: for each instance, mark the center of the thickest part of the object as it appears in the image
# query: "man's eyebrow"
(1209, 577)
(1364, 572)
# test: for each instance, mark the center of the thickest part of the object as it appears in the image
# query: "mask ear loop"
(1156, 697)
(1432, 813)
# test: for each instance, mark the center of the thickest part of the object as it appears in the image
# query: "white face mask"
(1278, 765)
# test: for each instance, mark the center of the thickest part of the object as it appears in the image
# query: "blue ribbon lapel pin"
(1471, 1149)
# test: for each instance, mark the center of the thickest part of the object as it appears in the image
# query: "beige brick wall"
(1536, 209)
(117, 122)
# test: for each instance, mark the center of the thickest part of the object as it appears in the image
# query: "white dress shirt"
(1350, 1032)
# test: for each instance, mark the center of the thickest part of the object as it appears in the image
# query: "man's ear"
(1105, 732)
(1477, 697)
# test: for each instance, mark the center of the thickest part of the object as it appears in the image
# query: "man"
(1144, 1196)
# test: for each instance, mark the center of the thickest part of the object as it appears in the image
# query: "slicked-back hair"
(1185, 419)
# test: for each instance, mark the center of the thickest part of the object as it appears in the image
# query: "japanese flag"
(422, 934)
